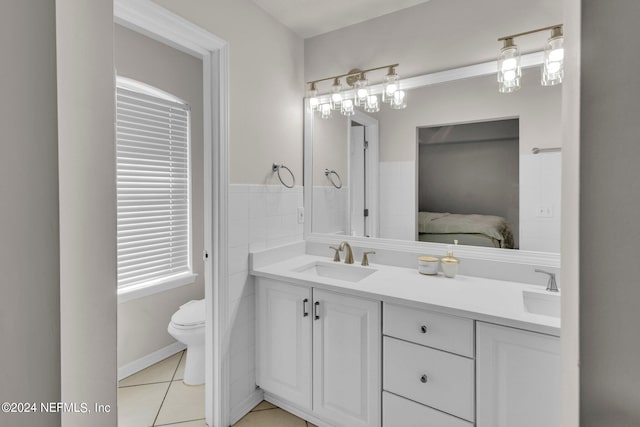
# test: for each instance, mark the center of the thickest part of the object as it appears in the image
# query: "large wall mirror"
(461, 153)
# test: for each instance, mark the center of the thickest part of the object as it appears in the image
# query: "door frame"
(373, 174)
(158, 23)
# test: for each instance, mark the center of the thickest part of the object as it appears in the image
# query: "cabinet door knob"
(423, 329)
(423, 379)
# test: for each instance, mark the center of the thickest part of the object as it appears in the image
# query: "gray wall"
(432, 36)
(609, 206)
(84, 46)
(266, 86)
(142, 323)
(29, 254)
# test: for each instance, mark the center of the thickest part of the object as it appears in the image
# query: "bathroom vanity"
(346, 345)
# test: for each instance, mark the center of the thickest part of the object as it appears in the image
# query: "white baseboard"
(148, 360)
(244, 407)
(293, 409)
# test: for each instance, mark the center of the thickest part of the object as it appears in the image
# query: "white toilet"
(187, 326)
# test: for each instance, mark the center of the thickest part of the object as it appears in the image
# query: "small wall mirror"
(459, 150)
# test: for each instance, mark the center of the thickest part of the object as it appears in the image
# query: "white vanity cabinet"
(320, 351)
(429, 370)
(284, 340)
(518, 377)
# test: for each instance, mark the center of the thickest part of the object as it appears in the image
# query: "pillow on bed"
(424, 218)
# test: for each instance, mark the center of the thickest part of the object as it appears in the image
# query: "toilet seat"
(190, 315)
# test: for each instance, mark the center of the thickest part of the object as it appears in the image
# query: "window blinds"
(153, 188)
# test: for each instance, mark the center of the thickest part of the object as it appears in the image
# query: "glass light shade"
(399, 100)
(372, 105)
(362, 91)
(347, 107)
(553, 68)
(390, 87)
(336, 95)
(509, 72)
(325, 110)
(314, 103)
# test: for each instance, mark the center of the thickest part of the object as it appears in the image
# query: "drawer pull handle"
(305, 313)
(423, 379)
(423, 329)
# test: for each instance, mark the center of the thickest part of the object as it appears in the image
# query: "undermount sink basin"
(348, 273)
(542, 302)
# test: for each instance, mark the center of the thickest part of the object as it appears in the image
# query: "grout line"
(265, 409)
(167, 392)
(179, 422)
(178, 365)
(137, 385)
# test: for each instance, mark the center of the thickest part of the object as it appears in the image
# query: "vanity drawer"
(432, 377)
(449, 333)
(397, 411)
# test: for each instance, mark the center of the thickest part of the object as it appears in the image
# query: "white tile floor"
(156, 396)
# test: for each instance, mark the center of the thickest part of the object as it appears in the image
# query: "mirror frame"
(547, 259)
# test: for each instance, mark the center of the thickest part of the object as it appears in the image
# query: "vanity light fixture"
(336, 94)
(356, 93)
(362, 90)
(391, 85)
(553, 68)
(509, 71)
(312, 94)
(325, 110)
(372, 105)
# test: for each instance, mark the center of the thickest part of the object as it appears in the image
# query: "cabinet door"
(346, 360)
(518, 378)
(284, 340)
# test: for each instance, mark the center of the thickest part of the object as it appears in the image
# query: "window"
(153, 186)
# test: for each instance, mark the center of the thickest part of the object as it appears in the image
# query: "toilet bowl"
(187, 326)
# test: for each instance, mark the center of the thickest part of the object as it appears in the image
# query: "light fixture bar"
(356, 73)
(550, 27)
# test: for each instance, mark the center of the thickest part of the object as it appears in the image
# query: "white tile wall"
(397, 200)
(330, 209)
(540, 177)
(260, 217)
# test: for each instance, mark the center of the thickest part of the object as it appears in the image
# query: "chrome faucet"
(552, 286)
(348, 257)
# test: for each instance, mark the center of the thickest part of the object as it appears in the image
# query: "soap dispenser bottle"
(450, 263)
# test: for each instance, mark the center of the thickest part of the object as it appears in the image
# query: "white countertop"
(477, 298)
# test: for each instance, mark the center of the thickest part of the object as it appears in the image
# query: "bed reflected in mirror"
(468, 184)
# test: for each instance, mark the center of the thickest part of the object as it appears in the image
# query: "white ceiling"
(309, 18)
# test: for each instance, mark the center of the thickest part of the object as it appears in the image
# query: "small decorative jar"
(450, 263)
(428, 265)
